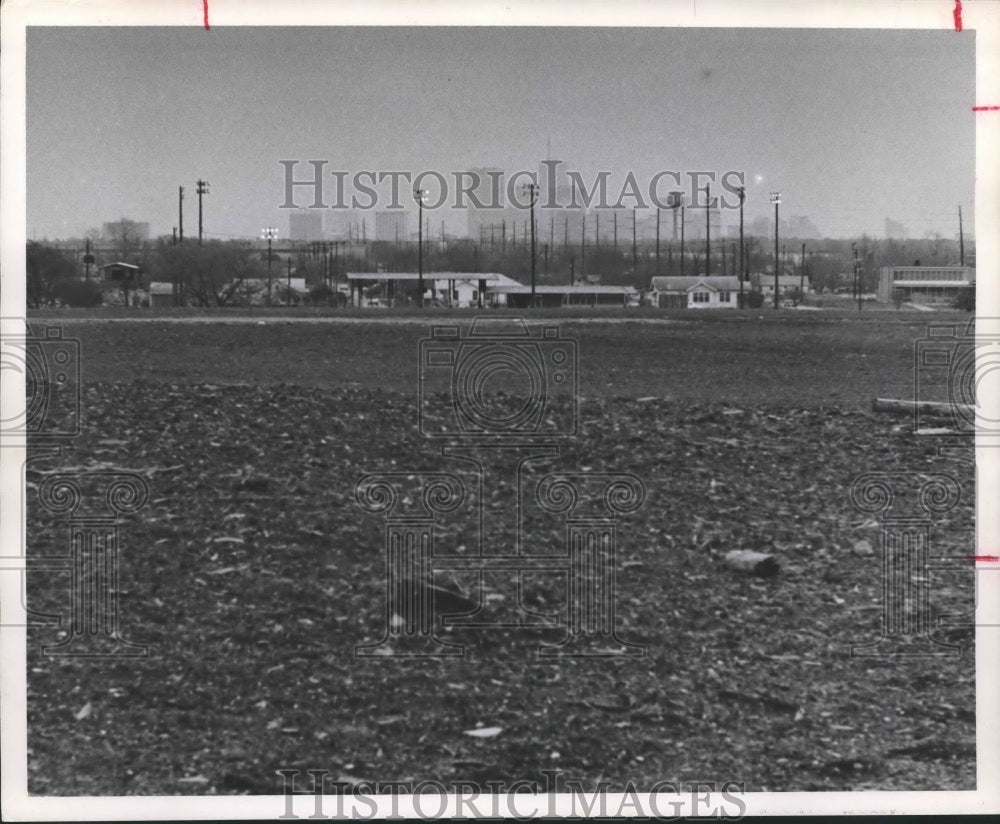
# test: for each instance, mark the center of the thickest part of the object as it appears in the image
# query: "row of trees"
(220, 273)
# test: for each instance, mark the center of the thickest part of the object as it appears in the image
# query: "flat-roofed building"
(923, 284)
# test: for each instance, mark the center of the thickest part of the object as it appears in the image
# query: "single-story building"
(120, 272)
(457, 289)
(786, 284)
(160, 294)
(696, 292)
(923, 284)
(579, 294)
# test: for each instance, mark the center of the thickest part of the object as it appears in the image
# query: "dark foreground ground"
(252, 573)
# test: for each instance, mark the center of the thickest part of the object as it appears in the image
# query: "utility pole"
(635, 248)
(776, 199)
(532, 190)
(675, 199)
(419, 195)
(288, 296)
(682, 240)
(180, 213)
(87, 260)
(583, 248)
(742, 267)
(857, 274)
(614, 241)
(708, 230)
(657, 240)
(802, 274)
(961, 240)
(201, 190)
(268, 233)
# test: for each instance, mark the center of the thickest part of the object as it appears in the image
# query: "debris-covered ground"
(252, 573)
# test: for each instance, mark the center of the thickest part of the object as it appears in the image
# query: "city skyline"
(793, 110)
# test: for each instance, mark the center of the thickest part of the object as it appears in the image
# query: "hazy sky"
(851, 125)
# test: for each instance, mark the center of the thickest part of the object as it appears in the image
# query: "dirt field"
(252, 573)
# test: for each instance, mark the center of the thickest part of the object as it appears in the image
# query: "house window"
(475, 294)
(724, 297)
(699, 297)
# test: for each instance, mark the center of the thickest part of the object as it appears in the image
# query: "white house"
(697, 292)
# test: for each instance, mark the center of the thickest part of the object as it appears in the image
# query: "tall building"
(305, 224)
(490, 192)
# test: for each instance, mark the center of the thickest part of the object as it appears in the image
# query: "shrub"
(80, 294)
(755, 300)
(966, 299)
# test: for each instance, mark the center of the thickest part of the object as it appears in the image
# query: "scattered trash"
(484, 732)
(755, 563)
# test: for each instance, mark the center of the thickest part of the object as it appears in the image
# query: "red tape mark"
(986, 108)
(957, 13)
(988, 559)
(204, 6)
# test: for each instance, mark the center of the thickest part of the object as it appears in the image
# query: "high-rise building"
(487, 213)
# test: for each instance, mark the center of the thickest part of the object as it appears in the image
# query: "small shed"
(160, 294)
(120, 272)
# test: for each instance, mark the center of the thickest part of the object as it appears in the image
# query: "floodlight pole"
(201, 190)
(268, 233)
(776, 199)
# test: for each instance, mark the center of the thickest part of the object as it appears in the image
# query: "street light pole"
(268, 233)
(776, 199)
(419, 195)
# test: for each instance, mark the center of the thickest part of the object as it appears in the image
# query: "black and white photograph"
(499, 410)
